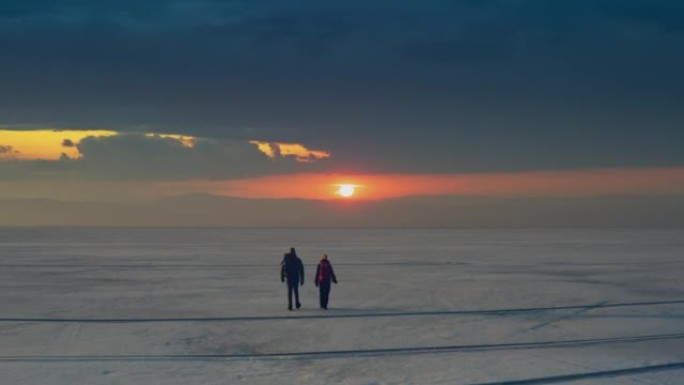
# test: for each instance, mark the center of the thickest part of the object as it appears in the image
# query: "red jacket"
(324, 272)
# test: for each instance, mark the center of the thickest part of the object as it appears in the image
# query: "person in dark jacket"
(324, 274)
(292, 269)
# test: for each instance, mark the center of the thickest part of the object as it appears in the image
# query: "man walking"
(292, 269)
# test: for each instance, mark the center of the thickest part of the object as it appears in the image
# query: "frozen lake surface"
(206, 306)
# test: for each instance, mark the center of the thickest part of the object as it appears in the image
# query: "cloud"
(145, 156)
(532, 30)
(68, 143)
(47, 144)
(442, 86)
(296, 150)
(184, 140)
(135, 156)
(305, 35)
(6, 150)
(666, 15)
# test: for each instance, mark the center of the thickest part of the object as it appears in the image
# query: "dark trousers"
(292, 286)
(324, 291)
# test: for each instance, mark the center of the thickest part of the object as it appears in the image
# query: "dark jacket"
(324, 272)
(292, 268)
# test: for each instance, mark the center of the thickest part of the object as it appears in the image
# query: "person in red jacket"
(324, 274)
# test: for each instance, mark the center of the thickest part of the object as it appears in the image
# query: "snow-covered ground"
(206, 306)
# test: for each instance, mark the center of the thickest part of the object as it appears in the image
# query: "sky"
(419, 105)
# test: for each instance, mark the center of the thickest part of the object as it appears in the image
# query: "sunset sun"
(346, 190)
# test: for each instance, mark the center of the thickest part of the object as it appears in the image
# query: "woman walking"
(324, 274)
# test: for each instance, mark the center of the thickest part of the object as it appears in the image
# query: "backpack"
(325, 272)
(291, 265)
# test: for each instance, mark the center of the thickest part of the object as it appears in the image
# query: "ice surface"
(428, 306)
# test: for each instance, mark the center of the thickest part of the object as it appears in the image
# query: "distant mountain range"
(209, 210)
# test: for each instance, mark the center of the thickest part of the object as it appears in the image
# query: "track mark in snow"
(490, 312)
(347, 353)
(569, 316)
(592, 375)
(71, 335)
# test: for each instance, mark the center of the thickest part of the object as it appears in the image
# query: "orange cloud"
(54, 144)
(578, 183)
(186, 141)
(299, 151)
(44, 144)
(265, 147)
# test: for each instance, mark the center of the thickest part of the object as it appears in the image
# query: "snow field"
(180, 306)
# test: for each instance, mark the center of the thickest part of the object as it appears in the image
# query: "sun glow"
(346, 190)
(376, 187)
